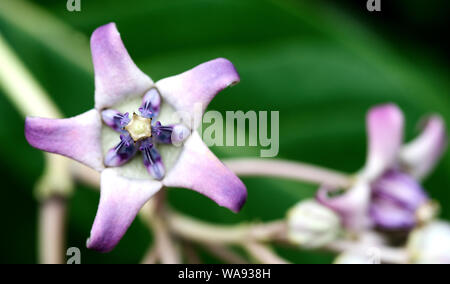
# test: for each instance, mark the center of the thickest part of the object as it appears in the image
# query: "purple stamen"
(115, 119)
(162, 134)
(123, 120)
(150, 104)
(152, 159)
(122, 153)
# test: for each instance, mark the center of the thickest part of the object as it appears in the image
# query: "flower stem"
(52, 217)
(217, 237)
(224, 253)
(291, 170)
(191, 229)
(154, 214)
(21, 88)
(263, 253)
(30, 99)
(151, 256)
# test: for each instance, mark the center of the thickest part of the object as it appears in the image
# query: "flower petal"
(78, 137)
(116, 75)
(421, 155)
(388, 216)
(198, 86)
(385, 130)
(401, 189)
(120, 201)
(352, 206)
(199, 169)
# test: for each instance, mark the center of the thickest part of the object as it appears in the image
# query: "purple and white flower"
(387, 193)
(130, 136)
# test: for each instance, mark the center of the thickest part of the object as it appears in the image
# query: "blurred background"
(322, 64)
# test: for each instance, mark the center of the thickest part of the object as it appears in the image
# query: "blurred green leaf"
(315, 64)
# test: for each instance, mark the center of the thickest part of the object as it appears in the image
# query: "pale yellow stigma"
(139, 127)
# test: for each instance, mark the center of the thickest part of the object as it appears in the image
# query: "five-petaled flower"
(386, 193)
(107, 139)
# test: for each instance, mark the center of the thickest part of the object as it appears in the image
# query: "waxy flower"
(133, 136)
(430, 244)
(387, 193)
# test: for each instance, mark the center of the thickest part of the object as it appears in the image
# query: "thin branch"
(165, 245)
(21, 88)
(154, 213)
(30, 99)
(52, 216)
(224, 253)
(263, 253)
(291, 170)
(190, 253)
(85, 175)
(191, 229)
(253, 167)
(151, 257)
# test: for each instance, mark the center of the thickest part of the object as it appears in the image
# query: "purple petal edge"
(78, 137)
(352, 206)
(385, 130)
(422, 154)
(116, 75)
(120, 201)
(198, 86)
(200, 170)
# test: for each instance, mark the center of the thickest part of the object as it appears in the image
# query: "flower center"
(139, 127)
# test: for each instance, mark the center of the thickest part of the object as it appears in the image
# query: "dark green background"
(321, 64)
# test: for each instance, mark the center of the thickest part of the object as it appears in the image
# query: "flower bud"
(430, 244)
(312, 225)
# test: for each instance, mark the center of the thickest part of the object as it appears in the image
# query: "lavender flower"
(129, 180)
(387, 193)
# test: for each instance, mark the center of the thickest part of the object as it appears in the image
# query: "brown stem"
(52, 217)
(291, 170)
(224, 253)
(151, 257)
(203, 232)
(155, 214)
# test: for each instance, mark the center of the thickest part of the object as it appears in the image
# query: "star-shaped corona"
(139, 127)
